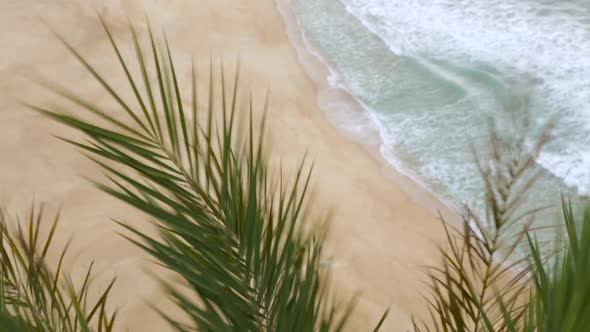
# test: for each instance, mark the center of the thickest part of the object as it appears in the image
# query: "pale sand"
(380, 236)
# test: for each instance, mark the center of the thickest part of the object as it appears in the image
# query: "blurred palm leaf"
(481, 281)
(34, 299)
(232, 229)
(561, 299)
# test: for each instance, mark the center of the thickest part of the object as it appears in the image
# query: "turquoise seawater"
(432, 73)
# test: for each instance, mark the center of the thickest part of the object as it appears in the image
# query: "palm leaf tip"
(476, 287)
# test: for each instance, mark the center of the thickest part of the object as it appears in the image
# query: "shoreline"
(319, 72)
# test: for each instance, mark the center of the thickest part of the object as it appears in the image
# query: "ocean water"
(430, 74)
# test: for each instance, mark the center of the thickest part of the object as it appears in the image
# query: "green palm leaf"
(33, 298)
(561, 301)
(231, 228)
(480, 281)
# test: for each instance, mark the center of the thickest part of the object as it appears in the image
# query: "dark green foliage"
(226, 224)
(479, 264)
(34, 299)
(561, 300)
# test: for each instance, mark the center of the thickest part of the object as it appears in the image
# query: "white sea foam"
(546, 42)
(431, 74)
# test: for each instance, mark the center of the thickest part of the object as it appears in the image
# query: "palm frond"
(480, 280)
(561, 300)
(228, 225)
(32, 297)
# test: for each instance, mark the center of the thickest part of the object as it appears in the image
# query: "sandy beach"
(381, 236)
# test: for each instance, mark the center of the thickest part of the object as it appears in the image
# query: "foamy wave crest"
(540, 44)
(572, 167)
